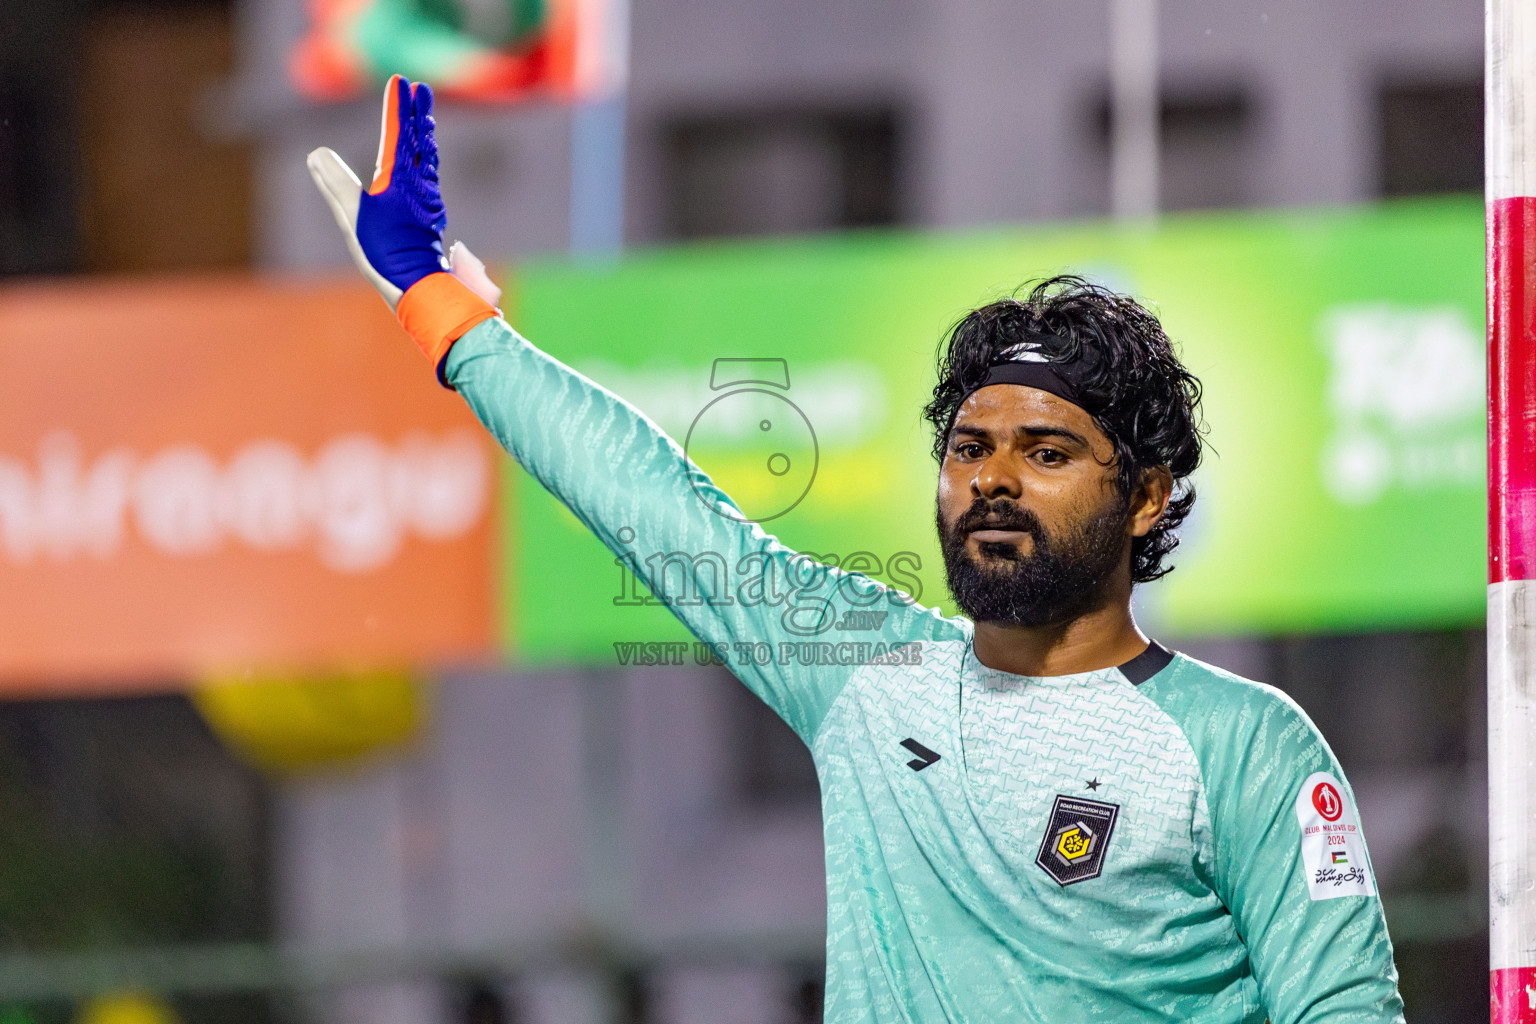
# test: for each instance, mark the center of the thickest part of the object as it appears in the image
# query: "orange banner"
(201, 475)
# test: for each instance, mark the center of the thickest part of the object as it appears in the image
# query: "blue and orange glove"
(394, 229)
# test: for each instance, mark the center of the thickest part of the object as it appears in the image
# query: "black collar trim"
(1147, 664)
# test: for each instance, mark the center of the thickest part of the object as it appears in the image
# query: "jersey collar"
(1147, 664)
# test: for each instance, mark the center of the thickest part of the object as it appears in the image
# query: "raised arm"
(726, 579)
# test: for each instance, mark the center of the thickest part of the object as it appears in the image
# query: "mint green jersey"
(1161, 841)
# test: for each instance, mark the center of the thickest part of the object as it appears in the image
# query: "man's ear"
(1150, 499)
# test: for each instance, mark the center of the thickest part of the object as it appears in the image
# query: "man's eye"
(1050, 456)
(968, 450)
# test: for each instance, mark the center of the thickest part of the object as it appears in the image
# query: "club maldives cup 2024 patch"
(1332, 848)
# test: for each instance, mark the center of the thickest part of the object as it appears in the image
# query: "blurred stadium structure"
(566, 844)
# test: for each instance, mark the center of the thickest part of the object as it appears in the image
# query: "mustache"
(1002, 514)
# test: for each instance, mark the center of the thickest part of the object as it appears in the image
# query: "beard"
(1063, 578)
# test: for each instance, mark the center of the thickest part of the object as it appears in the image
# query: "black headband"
(1045, 376)
(1025, 363)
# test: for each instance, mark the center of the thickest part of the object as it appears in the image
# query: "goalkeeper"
(1032, 813)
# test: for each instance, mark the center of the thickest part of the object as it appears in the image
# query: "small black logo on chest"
(1076, 839)
(925, 757)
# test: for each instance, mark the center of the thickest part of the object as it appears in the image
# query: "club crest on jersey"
(1076, 839)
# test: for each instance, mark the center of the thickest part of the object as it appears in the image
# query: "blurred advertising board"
(497, 51)
(201, 476)
(1341, 353)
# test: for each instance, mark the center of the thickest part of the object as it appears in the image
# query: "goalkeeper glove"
(394, 228)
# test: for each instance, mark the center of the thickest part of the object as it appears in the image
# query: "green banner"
(1341, 354)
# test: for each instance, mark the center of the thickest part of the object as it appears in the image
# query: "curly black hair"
(1127, 374)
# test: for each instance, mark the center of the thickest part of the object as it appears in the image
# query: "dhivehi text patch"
(1332, 848)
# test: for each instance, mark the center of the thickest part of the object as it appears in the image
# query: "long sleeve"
(633, 486)
(1285, 852)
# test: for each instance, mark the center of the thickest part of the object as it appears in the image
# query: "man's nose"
(997, 477)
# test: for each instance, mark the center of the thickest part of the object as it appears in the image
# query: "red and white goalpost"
(1511, 197)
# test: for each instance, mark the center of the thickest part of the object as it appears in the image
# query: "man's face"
(1031, 522)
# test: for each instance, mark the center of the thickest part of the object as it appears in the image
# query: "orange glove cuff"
(437, 311)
